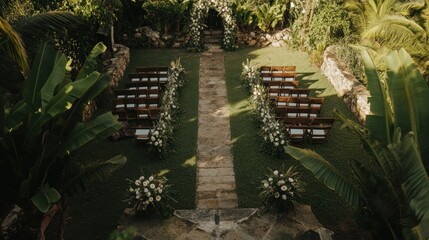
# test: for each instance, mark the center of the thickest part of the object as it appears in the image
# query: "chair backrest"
(288, 92)
(143, 85)
(279, 76)
(298, 121)
(281, 84)
(124, 103)
(270, 69)
(159, 69)
(125, 93)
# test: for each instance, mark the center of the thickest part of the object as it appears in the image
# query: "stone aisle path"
(215, 171)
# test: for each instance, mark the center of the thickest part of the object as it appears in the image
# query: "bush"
(330, 24)
(351, 58)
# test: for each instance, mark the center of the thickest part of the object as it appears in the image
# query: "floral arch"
(199, 13)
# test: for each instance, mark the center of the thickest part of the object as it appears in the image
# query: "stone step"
(213, 32)
(217, 195)
(207, 172)
(212, 40)
(216, 179)
(213, 187)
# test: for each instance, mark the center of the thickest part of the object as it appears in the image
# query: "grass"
(251, 160)
(94, 214)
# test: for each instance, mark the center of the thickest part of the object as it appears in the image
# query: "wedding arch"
(199, 13)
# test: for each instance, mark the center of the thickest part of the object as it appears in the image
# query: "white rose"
(158, 198)
(152, 186)
(138, 182)
(145, 183)
(284, 197)
(276, 195)
(276, 172)
(151, 199)
(284, 188)
(151, 178)
(266, 184)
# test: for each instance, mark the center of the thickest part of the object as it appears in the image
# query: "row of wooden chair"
(316, 129)
(139, 103)
(293, 106)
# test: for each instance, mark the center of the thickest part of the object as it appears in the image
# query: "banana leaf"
(380, 121)
(409, 94)
(327, 173)
(45, 197)
(39, 73)
(99, 128)
(78, 175)
(55, 78)
(91, 61)
(62, 102)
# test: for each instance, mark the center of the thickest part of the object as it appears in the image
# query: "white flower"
(131, 189)
(290, 179)
(151, 178)
(284, 197)
(138, 182)
(266, 185)
(283, 188)
(156, 133)
(282, 142)
(152, 186)
(276, 172)
(156, 143)
(151, 199)
(276, 195)
(141, 178)
(158, 198)
(138, 196)
(160, 190)
(148, 194)
(146, 190)
(292, 4)
(145, 183)
(280, 183)
(270, 179)
(152, 139)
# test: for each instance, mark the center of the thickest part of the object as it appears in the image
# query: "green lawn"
(251, 161)
(94, 214)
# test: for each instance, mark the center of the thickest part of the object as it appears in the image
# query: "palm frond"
(79, 175)
(11, 44)
(35, 27)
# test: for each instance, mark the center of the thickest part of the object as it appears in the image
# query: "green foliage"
(329, 25)
(397, 190)
(244, 15)
(41, 131)
(126, 234)
(166, 15)
(350, 56)
(269, 16)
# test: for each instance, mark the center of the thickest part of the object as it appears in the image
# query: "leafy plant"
(269, 15)
(40, 133)
(396, 190)
(166, 15)
(245, 16)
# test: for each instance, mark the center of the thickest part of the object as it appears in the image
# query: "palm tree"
(397, 189)
(381, 25)
(17, 38)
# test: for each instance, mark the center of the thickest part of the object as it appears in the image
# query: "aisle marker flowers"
(271, 129)
(161, 136)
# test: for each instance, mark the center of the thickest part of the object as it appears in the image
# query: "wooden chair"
(297, 128)
(160, 69)
(320, 128)
(288, 92)
(281, 84)
(124, 103)
(270, 69)
(279, 76)
(142, 85)
(125, 93)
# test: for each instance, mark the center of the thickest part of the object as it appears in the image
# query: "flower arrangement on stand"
(151, 193)
(161, 136)
(280, 190)
(199, 13)
(271, 130)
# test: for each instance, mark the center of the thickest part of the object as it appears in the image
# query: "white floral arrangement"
(271, 130)
(161, 136)
(199, 13)
(152, 192)
(280, 190)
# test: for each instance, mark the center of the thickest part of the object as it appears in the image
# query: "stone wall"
(261, 39)
(116, 66)
(354, 94)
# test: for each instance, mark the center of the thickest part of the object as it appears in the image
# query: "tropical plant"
(396, 189)
(40, 133)
(166, 15)
(270, 15)
(385, 24)
(244, 16)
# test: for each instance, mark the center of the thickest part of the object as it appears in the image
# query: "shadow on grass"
(93, 215)
(251, 159)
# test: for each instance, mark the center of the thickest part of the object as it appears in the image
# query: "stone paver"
(215, 170)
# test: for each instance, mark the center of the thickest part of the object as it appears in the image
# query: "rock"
(176, 45)
(265, 44)
(351, 90)
(275, 44)
(151, 34)
(252, 42)
(252, 34)
(262, 39)
(11, 223)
